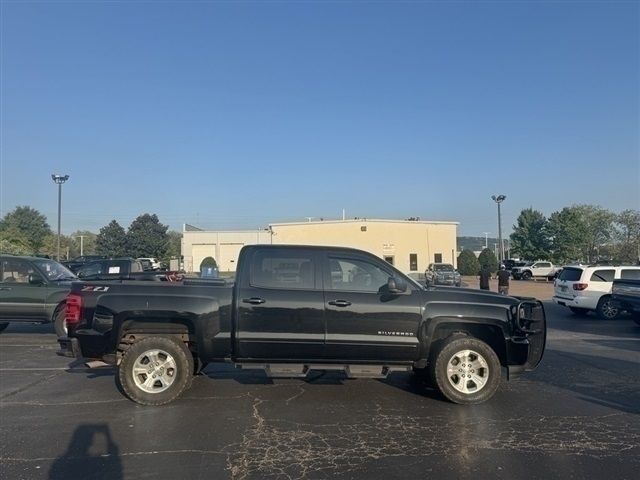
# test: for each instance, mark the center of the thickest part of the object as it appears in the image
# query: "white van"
(585, 288)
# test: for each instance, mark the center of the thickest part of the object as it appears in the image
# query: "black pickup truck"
(625, 295)
(293, 309)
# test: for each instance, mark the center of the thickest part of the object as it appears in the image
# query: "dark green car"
(33, 289)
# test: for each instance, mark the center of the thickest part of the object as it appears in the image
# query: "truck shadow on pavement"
(90, 453)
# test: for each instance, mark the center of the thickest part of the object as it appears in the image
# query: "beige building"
(409, 245)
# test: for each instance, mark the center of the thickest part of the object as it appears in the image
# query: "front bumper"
(69, 347)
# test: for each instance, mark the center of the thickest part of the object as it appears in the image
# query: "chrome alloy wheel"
(609, 311)
(154, 371)
(467, 371)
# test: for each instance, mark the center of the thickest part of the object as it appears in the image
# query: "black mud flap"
(69, 347)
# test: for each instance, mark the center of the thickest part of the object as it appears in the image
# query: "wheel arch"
(490, 333)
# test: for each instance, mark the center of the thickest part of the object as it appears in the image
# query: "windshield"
(444, 267)
(53, 270)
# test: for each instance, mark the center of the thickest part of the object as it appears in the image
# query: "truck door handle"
(339, 303)
(253, 300)
(5, 288)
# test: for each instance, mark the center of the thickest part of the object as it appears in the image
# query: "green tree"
(147, 237)
(14, 242)
(578, 232)
(487, 257)
(112, 240)
(67, 247)
(468, 263)
(30, 222)
(174, 246)
(208, 262)
(530, 237)
(627, 236)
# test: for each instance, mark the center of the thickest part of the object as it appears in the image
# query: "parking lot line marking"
(42, 368)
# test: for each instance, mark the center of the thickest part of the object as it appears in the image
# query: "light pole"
(499, 199)
(486, 239)
(81, 237)
(59, 180)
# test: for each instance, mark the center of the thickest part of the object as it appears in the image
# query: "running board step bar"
(300, 370)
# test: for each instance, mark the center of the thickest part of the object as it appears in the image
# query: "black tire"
(635, 318)
(181, 377)
(59, 322)
(579, 311)
(492, 371)
(3, 325)
(605, 310)
(526, 275)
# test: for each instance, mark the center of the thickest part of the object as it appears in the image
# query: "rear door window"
(603, 276)
(630, 274)
(571, 274)
(288, 269)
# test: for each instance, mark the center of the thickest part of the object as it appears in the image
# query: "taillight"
(580, 286)
(73, 309)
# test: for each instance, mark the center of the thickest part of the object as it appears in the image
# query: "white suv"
(583, 288)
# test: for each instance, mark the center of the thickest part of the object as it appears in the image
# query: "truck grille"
(532, 322)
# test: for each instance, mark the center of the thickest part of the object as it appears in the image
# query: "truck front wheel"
(526, 275)
(466, 370)
(155, 370)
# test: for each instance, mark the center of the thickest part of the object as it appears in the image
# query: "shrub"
(468, 263)
(487, 257)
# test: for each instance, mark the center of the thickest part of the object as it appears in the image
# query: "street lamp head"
(59, 179)
(498, 198)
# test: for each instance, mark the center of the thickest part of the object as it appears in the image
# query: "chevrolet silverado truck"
(294, 309)
(625, 295)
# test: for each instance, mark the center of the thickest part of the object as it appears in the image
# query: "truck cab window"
(279, 270)
(356, 275)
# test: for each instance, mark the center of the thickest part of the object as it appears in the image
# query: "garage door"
(200, 252)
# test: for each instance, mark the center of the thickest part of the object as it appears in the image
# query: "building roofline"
(367, 220)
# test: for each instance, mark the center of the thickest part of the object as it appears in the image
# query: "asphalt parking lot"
(577, 416)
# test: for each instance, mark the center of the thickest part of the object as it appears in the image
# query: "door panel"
(20, 300)
(280, 306)
(364, 322)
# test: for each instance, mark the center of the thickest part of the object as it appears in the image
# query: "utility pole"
(59, 180)
(81, 237)
(499, 199)
(486, 239)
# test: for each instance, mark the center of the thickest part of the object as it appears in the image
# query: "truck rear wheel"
(606, 309)
(466, 370)
(156, 370)
(3, 325)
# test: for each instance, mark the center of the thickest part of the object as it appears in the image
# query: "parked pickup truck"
(625, 295)
(293, 309)
(536, 270)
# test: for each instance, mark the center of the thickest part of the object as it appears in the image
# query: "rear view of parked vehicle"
(588, 288)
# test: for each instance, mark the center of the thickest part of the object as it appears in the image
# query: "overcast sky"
(233, 115)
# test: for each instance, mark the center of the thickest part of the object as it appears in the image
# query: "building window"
(388, 259)
(437, 257)
(413, 262)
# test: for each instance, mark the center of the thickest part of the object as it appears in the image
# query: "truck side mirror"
(396, 285)
(35, 279)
